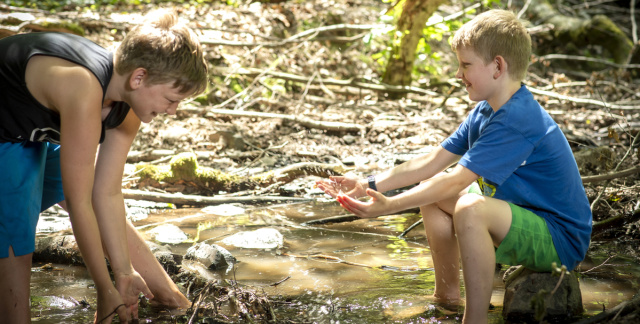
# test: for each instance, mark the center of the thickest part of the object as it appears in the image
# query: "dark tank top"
(22, 117)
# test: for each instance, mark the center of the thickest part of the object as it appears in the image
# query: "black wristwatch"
(372, 182)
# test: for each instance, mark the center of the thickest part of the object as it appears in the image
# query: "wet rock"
(224, 210)
(48, 302)
(169, 261)
(212, 256)
(57, 249)
(264, 238)
(527, 296)
(168, 233)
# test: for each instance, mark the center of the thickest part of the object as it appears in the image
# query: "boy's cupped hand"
(347, 185)
(378, 205)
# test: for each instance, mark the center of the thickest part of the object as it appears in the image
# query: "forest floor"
(245, 48)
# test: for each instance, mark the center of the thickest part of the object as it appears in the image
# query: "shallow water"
(355, 272)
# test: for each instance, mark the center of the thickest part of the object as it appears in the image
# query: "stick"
(325, 125)
(193, 200)
(612, 175)
(342, 83)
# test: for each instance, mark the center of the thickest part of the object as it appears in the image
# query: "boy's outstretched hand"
(378, 205)
(348, 185)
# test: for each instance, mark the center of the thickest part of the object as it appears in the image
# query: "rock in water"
(527, 296)
(168, 233)
(212, 256)
(264, 238)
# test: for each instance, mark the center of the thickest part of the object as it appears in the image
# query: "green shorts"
(528, 242)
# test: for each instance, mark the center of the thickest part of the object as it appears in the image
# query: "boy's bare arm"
(428, 192)
(80, 132)
(108, 204)
(416, 170)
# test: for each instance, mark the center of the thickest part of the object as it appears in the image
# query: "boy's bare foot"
(172, 299)
(448, 303)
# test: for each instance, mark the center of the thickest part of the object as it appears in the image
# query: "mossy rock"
(185, 167)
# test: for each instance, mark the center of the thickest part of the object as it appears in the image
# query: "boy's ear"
(501, 66)
(137, 77)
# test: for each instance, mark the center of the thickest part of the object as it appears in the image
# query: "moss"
(62, 25)
(185, 167)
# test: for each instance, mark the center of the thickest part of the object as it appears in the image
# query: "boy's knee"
(469, 208)
(469, 203)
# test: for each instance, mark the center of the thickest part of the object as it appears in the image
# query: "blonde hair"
(167, 49)
(497, 32)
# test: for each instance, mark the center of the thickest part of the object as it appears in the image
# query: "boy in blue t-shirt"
(531, 204)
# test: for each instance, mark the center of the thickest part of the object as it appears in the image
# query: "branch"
(342, 83)
(612, 175)
(587, 59)
(581, 100)
(193, 200)
(325, 125)
(297, 38)
(614, 222)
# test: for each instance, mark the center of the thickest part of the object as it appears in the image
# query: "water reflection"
(355, 272)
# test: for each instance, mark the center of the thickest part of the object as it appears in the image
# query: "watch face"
(372, 182)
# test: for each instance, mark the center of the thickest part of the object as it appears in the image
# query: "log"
(184, 169)
(574, 34)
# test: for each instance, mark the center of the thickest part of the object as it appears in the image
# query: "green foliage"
(384, 42)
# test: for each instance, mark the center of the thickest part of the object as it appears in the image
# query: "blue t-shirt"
(523, 158)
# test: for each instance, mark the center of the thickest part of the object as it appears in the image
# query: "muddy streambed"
(353, 272)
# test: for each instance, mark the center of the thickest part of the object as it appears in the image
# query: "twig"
(604, 187)
(582, 100)
(600, 265)
(281, 281)
(634, 27)
(401, 236)
(587, 59)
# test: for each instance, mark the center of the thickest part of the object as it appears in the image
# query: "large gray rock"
(212, 256)
(527, 296)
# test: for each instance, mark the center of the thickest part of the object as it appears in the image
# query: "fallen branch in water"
(331, 220)
(193, 200)
(333, 259)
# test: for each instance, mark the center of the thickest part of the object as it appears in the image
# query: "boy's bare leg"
(145, 263)
(15, 274)
(439, 228)
(480, 223)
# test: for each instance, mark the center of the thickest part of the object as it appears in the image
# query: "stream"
(353, 272)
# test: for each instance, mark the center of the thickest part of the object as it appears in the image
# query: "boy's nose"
(458, 74)
(172, 110)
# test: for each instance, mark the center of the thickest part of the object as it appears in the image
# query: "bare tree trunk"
(411, 24)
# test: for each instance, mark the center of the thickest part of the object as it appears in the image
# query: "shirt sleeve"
(498, 153)
(458, 142)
